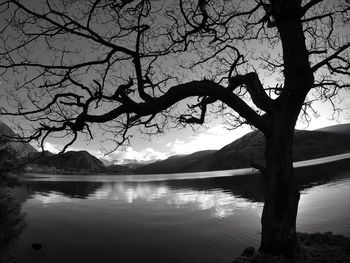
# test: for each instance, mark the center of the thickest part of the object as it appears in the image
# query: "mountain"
(106, 162)
(250, 148)
(73, 162)
(134, 163)
(238, 154)
(177, 164)
(68, 162)
(307, 145)
(118, 169)
(21, 149)
(339, 129)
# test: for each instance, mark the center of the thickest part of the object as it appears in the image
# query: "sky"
(185, 141)
(212, 136)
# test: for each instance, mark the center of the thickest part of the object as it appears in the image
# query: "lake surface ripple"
(193, 220)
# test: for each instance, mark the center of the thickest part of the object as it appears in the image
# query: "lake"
(154, 219)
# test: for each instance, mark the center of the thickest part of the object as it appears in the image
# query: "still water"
(123, 219)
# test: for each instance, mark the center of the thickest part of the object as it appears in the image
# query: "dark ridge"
(249, 149)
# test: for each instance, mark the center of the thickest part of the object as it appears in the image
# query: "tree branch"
(329, 58)
(255, 89)
(310, 4)
(178, 93)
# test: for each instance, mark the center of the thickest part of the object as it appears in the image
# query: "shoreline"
(316, 248)
(229, 172)
(325, 247)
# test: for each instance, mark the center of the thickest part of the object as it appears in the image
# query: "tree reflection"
(251, 187)
(221, 194)
(11, 218)
(248, 186)
(80, 190)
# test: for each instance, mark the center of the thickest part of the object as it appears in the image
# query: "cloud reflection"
(220, 203)
(130, 192)
(51, 198)
(217, 201)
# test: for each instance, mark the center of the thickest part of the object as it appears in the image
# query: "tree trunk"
(278, 241)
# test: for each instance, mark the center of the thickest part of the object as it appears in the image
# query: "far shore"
(299, 166)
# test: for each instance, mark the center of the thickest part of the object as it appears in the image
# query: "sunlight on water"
(326, 207)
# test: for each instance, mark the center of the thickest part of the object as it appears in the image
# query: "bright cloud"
(316, 123)
(56, 148)
(51, 147)
(129, 153)
(212, 139)
(147, 154)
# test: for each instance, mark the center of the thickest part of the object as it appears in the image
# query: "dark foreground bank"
(317, 248)
(325, 247)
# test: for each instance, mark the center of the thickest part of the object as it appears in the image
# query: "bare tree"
(128, 64)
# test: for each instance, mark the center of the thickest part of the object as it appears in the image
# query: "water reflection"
(223, 203)
(208, 196)
(208, 220)
(11, 221)
(68, 189)
(51, 198)
(221, 195)
(206, 192)
(310, 176)
(129, 192)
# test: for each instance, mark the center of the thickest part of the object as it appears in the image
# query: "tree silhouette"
(142, 64)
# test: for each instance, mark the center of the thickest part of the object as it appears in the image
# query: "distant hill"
(238, 154)
(307, 145)
(117, 169)
(21, 149)
(134, 164)
(68, 162)
(72, 162)
(177, 164)
(339, 129)
(250, 148)
(47, 162)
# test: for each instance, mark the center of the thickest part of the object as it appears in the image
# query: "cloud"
(212, 139)
(51, 147)
(316, 123)
(147, 154)
(56, 148)
(129, 153)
